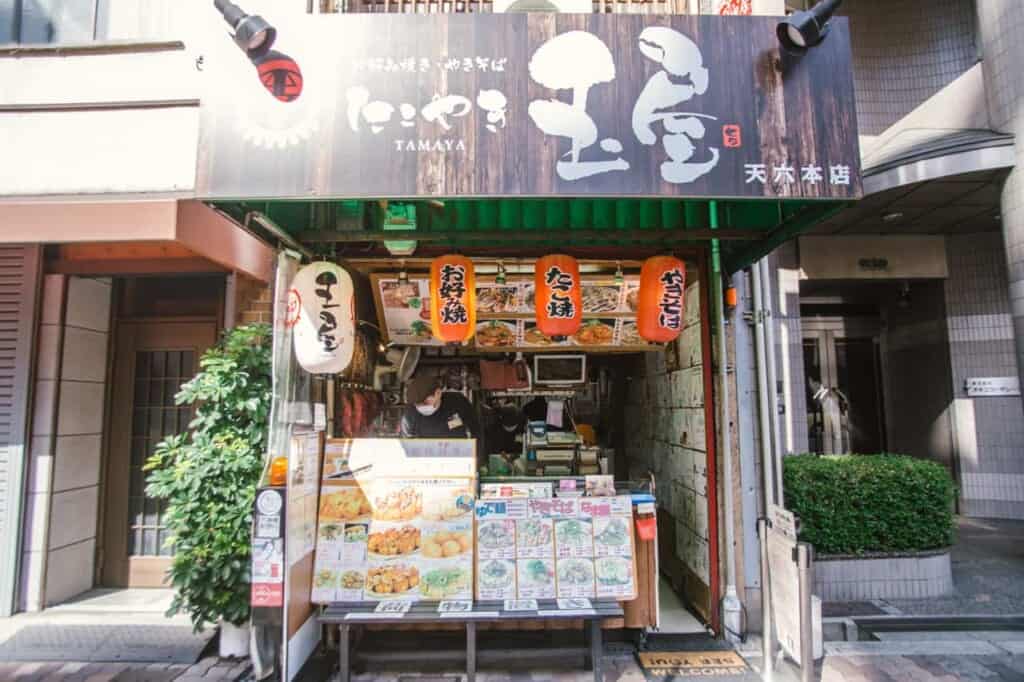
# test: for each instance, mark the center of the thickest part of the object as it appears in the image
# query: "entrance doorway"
(162, 327)
(843, 371)
(153, 360)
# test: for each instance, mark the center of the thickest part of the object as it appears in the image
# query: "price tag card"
(398, 607)
(574, 604)
(520, 605)
(455, 606)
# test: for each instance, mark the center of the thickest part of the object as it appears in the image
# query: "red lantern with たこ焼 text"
(660, 307)
(558, 297)
(452, 298)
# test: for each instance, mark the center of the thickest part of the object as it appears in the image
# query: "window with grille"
(158, 376)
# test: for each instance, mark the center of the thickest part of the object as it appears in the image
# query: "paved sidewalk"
(209, 669)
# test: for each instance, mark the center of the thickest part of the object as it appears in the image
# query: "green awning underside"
(747, 229)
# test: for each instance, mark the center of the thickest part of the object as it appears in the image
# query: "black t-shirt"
(455, 418)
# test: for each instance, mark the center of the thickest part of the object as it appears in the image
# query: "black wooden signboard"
(378, 106)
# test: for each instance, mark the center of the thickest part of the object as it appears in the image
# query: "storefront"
(545, 160)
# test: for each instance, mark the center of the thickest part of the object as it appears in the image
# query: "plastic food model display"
(347, 504)
(392, 579)
(445, 544)
(394, 541)
(398, 505)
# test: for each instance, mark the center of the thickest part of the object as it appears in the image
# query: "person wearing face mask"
(433, 413)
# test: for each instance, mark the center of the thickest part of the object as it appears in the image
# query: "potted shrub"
(208, 478)
(881, 525)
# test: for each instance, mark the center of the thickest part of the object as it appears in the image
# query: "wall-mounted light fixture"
(252, 33)
(801, 31)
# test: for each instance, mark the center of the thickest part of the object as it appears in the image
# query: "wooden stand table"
(349, 615)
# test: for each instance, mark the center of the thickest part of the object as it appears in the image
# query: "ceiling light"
(892, 216)
(252, 32)
(803, 30)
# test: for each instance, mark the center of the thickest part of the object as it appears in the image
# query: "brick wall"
(254, 301)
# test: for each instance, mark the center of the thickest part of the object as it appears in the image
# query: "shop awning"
(747, 229)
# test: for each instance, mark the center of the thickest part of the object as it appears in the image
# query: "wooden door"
(152, 360)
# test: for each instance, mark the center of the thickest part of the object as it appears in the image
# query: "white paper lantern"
(322, 312)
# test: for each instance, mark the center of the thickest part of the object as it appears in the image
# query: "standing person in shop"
(434, 413)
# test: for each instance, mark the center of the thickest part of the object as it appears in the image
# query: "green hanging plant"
(209, 475)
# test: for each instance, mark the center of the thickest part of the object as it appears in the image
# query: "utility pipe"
(732, 609)
(767, 466)
(773, 380)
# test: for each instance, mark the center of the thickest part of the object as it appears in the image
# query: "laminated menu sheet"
(395, 520)
(555, 548)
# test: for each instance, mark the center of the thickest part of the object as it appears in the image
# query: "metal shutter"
(19, 290)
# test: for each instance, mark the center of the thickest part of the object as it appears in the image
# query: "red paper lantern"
(659, 313)
(557, 295)
(452, 298)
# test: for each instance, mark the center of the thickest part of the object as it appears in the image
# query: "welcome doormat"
(687, 665)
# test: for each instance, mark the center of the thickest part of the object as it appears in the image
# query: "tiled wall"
(667, 404)
(904, 51)
(996, 483)
(989, 431)
(62, 509)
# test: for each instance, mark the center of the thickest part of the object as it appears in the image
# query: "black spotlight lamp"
(801, 31)
(252, 32)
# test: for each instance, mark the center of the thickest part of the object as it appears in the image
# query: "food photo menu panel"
(395, 521)
(555, 548)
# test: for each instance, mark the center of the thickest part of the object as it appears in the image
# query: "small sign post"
(786, 583)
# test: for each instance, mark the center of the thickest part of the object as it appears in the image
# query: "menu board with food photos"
(537, 548)
(505, 314)
(395, 520)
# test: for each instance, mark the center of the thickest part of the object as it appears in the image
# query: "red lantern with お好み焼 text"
(452, 298)
(659, 313)
(558, 295)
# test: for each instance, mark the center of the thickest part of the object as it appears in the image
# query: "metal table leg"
(344, 663)
(470, 651)
(596, 648)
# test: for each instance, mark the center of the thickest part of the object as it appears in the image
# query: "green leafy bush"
(856, 504)
(209, 475)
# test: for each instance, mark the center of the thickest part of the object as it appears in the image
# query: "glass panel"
(149, 542)
(57, 21)
(174, 365)
(162, 542)
(159, 364)
(159, 375)
(815, 414)
(135, 513)
(151, 512)
(855, 374)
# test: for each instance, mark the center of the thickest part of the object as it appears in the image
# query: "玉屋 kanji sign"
(529, 105)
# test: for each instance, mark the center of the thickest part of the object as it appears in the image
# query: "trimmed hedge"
(856, 504)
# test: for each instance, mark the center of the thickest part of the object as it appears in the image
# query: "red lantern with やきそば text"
(452, 298)
(659, 313)
(558, 297)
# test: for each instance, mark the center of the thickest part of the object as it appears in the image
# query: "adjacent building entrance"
(842, 365)
(163, 326)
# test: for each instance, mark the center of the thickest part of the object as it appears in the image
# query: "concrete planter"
(234, 640)
(912, 575)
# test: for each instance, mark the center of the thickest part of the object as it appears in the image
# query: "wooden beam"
(158, 266)
(529, 235)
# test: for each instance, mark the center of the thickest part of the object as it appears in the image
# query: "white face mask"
(426, 410)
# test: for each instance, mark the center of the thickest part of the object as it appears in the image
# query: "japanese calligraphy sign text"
(452, 298)
(321, 308)
(533, 105)
(559, 297)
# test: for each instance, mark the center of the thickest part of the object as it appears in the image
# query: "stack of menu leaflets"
(555, 548)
